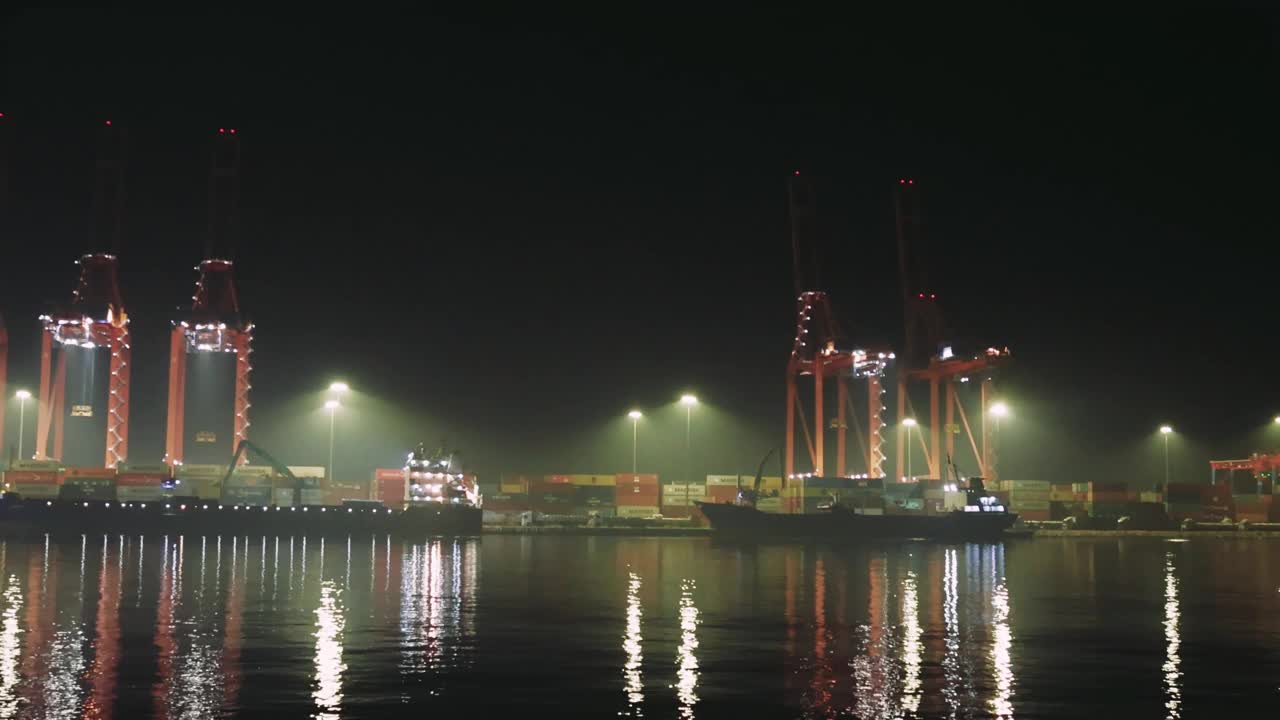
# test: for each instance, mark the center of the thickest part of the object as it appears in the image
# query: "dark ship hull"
(844, 524)
(202, 517)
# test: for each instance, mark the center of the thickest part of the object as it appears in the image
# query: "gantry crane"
(816, 352)
(214, 323)
(928, 357)
(94, 319)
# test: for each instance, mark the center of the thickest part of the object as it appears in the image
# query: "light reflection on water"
(191, 627)
(686, 654)
(1172, 667)
(632, 645)
(328, 661)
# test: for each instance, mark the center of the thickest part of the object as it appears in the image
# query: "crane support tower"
(928, 357)
(214, 324)
(94, 320)
(815, 352)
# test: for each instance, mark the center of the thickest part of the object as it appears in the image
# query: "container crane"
(94, 319)
(214, 323)
(816, 352)
(928, 357)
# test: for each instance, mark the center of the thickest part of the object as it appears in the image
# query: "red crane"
(927, 357)
(816, 352)
(214, 323)
(94, 319)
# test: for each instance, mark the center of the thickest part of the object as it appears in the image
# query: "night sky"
(510, 230)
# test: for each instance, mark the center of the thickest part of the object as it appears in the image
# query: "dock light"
(688, 399)
(1000, 410)
(339, 387)
(1166, 431)
(908, 423)
(1277, 420)
(635, 416)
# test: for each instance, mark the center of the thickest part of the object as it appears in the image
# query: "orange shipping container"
(388, 474)
(32, 477)
(557, 479)
(640, 479)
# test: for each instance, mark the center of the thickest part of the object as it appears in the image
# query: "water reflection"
(437, 613)
(10, 648)
(951, 673)
(1002, 641)
(328, 661)
(631, 645)
(686, 654)
(912, 634)
(1172, 661)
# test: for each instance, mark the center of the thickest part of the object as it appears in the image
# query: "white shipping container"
(255, 470)
(307, 471)
(953, 501)
(729, 480)
(637, 511)
(682, 489)
(282, 497)
(311, 496)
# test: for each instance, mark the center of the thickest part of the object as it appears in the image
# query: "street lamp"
(1166, 431)
(23, 396)
(635, 416)
(688, 401)
(338, 387)
(909, 423)
(1277, 420)
(332, 406)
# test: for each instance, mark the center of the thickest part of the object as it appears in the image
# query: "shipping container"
(593, 480)
(388, 474)
(676, 511)
(311, 496)
(87, 489)
(260, 470)
(769, 505)
(32, 477)
(139, 493)
(140, 479)
(200, 470)
(88, 472)
(637, 495)
(205, 488)
(557, 479)
(36, 491)
(36, 465)
(722, 494)
(631, 480)
(506, 503)
(283, 497)
(239, 480)
(144, 469)
(637, 511)
(247, 495)
(307, 471)
(728, 481)
(588, 496)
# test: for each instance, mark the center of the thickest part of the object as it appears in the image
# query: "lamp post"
(909, 424)
(688, 401)
(635, 416)
(999, 410)
(332, 406)
(23, 396)
(1166, 431)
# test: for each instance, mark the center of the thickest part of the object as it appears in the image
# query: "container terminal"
(80, 461)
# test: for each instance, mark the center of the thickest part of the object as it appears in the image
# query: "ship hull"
(208, 518)
(843, 524)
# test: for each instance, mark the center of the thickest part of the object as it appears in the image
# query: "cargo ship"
(435, 501)
(838, 509)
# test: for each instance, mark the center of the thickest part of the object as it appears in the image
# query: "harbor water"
(508, 626)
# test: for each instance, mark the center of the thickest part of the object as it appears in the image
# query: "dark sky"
(519, 227)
